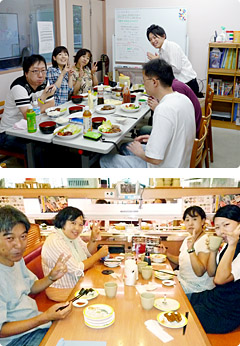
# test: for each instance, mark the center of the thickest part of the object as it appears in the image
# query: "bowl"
(75, 109)
(97, 121)
(47, 127)
(121, 120)
(77, 99)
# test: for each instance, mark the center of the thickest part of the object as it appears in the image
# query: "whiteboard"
(131, 43)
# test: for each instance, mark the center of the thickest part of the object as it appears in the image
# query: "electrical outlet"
(109, 194)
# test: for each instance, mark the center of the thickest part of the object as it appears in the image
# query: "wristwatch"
(191, 250)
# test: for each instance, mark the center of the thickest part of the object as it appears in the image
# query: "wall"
(204, 17)
(97, 39)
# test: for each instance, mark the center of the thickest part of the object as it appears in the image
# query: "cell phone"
(95, 136)
(99, 65)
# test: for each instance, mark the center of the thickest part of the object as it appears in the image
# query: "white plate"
(163, 276)
(112, 264)
(125, 108)
(100, 326)
(99, 110)
(107, 134)
(165, 323)
(98, 312)
(89, 296)
(168, 282)
(171, 304)
(80, 303)
(70, 136)
(62, 120)
(58, 114)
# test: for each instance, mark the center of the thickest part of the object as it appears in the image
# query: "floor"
(226, 149)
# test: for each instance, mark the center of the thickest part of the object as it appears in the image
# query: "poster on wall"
(52, 204)
(45, 37)
(222, 200)
(15, 201)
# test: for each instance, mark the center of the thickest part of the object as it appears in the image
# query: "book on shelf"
(220, 87)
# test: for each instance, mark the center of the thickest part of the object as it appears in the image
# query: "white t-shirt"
(190, 282)
(20, 95)
(172, 53)
(173, 132)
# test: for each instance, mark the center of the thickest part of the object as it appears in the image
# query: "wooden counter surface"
(128, 328)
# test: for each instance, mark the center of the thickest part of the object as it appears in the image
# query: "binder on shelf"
(234, 59)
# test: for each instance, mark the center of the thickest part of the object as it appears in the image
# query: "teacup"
(214, 242)
(110, 289)
(147, 300)
(147, 272)
(141, 265)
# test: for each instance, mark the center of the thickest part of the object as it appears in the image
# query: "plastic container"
(31, 121)
(90, 100)
(87, 120)
(222, 37)
(126, 94)
(36, 107)
(100, 97)
(215, 58)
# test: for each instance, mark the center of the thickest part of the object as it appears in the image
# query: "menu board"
(14, 201)
(207, 203)
(131, 43)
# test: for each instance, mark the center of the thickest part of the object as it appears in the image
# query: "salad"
(69, 130)
(131, 106)
(108, 127)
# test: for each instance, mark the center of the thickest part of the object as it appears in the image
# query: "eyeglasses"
(37, 72)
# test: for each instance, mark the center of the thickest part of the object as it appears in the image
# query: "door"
(78, 25)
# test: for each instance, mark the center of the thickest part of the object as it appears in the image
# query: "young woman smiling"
(194, 254)
(60, 74)
(84, 75)
(69, 224)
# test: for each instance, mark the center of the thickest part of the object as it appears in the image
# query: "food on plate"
(69, 130)
(120, 226)
(107, 108)
(173, 317)
(131, 106)
(108, 127)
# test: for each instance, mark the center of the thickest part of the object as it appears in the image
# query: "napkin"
(116, 276)
(149, 287)
(101, 291)
(154, 327)
(20, 125)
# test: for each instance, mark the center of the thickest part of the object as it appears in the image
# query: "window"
(77, 27)
(22, 22)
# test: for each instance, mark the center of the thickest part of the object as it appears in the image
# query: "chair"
(198, 147)
(209, 100)
(205, 119)
(34, 243)
(10, 153)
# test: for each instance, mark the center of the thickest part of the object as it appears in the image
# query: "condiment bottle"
(35, 106)
(126, 94)
(147, 258)
(90, 100)
(100, 97)
(31, 121)
(87, 120)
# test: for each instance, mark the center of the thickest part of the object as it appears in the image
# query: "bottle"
(147, 258)
(36, 107)
(31, 121)
(90, 100)
(100, 97)
(126, 94)
(87, 120)
(222, 37)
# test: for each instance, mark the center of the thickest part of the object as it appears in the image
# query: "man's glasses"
(37, 72)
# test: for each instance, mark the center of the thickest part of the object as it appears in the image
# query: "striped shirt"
(53, 247)
(62, 94)
(20, 95)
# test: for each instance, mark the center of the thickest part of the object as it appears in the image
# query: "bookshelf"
(224, 76)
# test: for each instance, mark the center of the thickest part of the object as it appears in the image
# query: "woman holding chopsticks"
(218, 309)
(194, 254)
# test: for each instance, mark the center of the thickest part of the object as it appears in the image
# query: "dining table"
(129, 325)
(90, 149)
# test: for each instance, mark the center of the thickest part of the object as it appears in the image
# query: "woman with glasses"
(66, 239)
(84, 76)
(61, 75)
(33, 83)
(218, 309)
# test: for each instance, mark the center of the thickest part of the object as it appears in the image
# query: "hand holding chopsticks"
(81, 293)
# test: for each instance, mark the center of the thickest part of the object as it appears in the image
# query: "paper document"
(45, 37)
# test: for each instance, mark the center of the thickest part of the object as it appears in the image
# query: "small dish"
(121, 120)
(162, 320)
(168, 282)
(105, 109)
(80, 303)
(130, 107)
(55, 112)
(170, 304)
(158, 258)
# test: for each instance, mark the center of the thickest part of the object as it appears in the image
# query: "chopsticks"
(72, 300)
(184, 328)
(162, 271)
